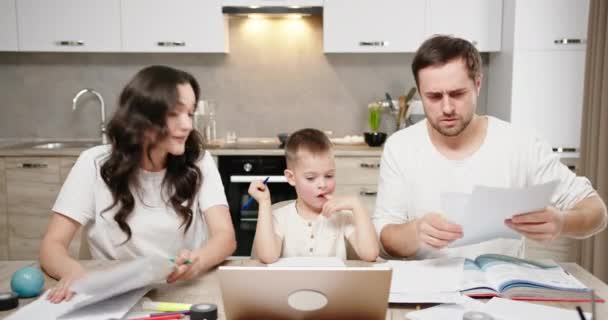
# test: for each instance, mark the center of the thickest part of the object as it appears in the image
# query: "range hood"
(245, 7)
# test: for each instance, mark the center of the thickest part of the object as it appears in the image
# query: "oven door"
(245, 220)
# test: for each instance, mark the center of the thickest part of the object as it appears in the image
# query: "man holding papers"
(453, 153)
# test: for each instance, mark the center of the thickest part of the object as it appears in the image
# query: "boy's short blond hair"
(309, 139)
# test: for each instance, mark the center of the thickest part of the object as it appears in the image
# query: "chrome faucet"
(104, 136)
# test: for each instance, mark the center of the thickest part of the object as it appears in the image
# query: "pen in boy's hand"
(250, 201)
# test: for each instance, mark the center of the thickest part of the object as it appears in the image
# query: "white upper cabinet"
(174, 26)
(272, 3)
(68, 25)
(8, 26)
(478, 21)
(548, 95)
(551, 24)
(373, 25)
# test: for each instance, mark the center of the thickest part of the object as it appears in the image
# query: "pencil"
(250, 201)
(580, 313)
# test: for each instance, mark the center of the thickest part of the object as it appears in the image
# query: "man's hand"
(543, 225)
(435, 231)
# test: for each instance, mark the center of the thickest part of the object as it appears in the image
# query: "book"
(493, 275)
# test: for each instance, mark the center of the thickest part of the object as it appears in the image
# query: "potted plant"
(374, 138)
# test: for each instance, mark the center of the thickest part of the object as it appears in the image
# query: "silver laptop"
(304, 293)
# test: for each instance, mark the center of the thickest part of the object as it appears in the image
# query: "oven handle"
(248, 179)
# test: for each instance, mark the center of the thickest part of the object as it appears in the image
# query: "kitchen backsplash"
(276, 78)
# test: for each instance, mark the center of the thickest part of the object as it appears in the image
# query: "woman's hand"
(187, 266)
(62, 291)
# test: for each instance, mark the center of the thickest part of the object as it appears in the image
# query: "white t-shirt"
(321, 237)
(155, 226)
(413, 174)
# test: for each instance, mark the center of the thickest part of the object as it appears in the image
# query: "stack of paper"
(498, 309)
(104, 294)
(426, 281)
(309, 262)
(490, 207)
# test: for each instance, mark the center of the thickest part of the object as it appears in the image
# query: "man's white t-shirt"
(413, 174)
(321, 237)
(156, 228)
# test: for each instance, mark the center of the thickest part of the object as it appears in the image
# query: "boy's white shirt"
(155, 225)
(321, 237)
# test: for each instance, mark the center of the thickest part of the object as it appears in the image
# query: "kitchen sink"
(54, 145)
(64, 145)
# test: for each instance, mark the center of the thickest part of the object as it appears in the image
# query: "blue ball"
(27, 282)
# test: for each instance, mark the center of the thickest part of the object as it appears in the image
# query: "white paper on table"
(450, 311)
(482, 213)
(312, 262)
(433, 280)
(127, 281)
(515, 310)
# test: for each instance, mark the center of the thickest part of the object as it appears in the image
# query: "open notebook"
(103, 294)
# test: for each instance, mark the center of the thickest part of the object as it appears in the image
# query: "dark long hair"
(142, 108)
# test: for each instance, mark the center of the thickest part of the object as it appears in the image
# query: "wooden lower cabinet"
(32, 185)
(3, 214)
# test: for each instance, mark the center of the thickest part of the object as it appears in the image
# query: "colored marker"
(165, 306)
(184, 312)
(167, 317)
(250, 201)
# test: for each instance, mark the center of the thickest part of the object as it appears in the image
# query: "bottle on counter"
(204, 120)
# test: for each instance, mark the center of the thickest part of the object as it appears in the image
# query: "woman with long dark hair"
(153, 191)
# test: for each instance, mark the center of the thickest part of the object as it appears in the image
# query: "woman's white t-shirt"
(156, 228)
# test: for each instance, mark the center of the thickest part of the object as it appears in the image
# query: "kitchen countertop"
(250, 146)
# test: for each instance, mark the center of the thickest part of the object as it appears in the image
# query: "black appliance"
(237, 172)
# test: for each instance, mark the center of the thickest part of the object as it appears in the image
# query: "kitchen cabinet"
(276, 3)
(358, 176)
(373, 25)
(8, 25)
(551, 24)
(174, 26)
(534, 82)
(3, 214)
(479, 21)
(69, 25)
(32, 185)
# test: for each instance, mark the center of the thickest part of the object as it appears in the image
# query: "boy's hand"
(187, 266)
(336, 204)
(259, 191)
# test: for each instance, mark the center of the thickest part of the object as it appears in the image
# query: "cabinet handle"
(569, 41)
(70, 43)
(370, 165)
(368, 193)
(373, 43)
(33, 165)
(560, 150)
(171, 43)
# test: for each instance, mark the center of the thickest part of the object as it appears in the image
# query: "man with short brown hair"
(455, 149)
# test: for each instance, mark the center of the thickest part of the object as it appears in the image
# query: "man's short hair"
(311, 140)
(440, 49)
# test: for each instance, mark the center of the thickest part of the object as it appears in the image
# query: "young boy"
(317, 223)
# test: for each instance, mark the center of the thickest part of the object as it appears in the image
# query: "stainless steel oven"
(237, 172)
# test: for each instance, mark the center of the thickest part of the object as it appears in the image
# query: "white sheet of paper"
(482, 213)
(515, 310)
(127, 281)
(433, 280)
(446, 311)
(312, 262)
